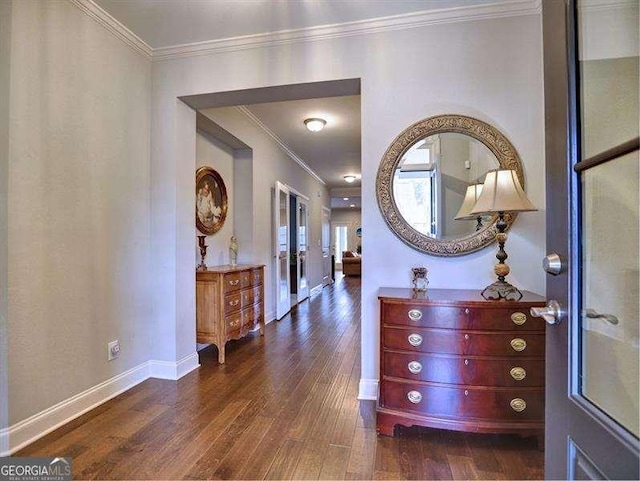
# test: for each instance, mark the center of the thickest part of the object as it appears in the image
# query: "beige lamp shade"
(502, 193)
(470, 199)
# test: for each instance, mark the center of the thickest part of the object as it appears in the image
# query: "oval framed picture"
(359, 232)
(211, 201)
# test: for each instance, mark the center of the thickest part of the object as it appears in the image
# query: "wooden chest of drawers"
(453, 360)
(229, 304)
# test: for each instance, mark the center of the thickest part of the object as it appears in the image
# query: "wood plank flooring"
(282, 407)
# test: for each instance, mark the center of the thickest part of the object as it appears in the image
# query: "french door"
(281, 250)
(326, 247)
(592, 165)
(302, 248)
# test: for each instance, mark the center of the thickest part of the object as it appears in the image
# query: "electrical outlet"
(113, 350)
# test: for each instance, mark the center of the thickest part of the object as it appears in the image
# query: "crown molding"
(117, 29)
(505, 8)
(245, 110)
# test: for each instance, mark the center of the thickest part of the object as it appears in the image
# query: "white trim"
(34, 427)
(283, 146)
(28, 430)
(316, 290)
(504, 8)
(93, 10)
(174, 370)
(270, 316)
(368, 390)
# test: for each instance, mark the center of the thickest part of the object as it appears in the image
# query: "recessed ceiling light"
(315, 125)
(349, 178)
(345, 198)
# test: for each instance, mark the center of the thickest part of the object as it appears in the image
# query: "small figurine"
(233, 251)
(420, 281)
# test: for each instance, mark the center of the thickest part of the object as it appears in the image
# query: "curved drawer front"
(446, 317)
(452, 402)
(256, 277)
(251, 296)
(232, 281)
(460, 370)
(446, 341)
(232, 302)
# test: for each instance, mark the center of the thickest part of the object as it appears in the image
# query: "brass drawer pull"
(518, 373)
(466, 311)
(466, 393)
(414, 339)
(414, 397)
(519, 318)
(466, 362)
(234, 283)
(234, 303)
(466, 336)
(518, 344)
(234, 323)
(518, 405)
(414, 367)
(415, 315)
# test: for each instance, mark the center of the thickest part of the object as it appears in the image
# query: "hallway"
(282, 407)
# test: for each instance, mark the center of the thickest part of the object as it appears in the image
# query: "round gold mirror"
(430, 177)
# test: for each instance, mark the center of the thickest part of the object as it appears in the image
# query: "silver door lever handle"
(592, 314)
(551, 313)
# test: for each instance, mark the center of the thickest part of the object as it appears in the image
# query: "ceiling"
(164, 23)
(333, 152)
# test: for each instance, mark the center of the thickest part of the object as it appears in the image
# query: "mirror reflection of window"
(415, 186)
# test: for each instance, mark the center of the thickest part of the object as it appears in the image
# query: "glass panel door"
(609, 337)
(607, 364)
(281, 226)
(303, 282)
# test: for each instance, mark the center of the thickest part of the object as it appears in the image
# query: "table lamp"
(502, 193)
(470, 199)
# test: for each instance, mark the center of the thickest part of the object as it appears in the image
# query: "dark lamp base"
(501, 290)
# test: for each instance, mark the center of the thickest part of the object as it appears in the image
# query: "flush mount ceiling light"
(315, 125)
(345, 198)
(349, 178)
(352, 205)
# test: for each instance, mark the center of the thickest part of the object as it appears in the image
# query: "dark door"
(591, 116)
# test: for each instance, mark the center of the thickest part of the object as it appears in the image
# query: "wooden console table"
(453, 360)
(229, 304)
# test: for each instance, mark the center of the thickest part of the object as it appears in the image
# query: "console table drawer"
(447, 317)
(471, 343)
(464, 403)
(480, 371)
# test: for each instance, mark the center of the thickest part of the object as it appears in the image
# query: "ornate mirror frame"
(504, 151)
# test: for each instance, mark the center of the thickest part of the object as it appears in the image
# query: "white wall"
(5, 44)
(353, 218)
(490, 69)
(79, 205)
(210, 152)
(271, 164)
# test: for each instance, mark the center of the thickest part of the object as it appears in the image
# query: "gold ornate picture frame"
(211, 201)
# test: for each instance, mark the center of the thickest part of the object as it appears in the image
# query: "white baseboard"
(270, 316)
(25, 432)
(368, 389)
(174, 370)
(28, 430)
(316, 290)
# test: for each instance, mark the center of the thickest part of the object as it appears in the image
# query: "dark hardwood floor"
(282, 407)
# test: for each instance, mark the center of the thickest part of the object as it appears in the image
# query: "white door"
(303, 249)
(281, 248)
(326, 246)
